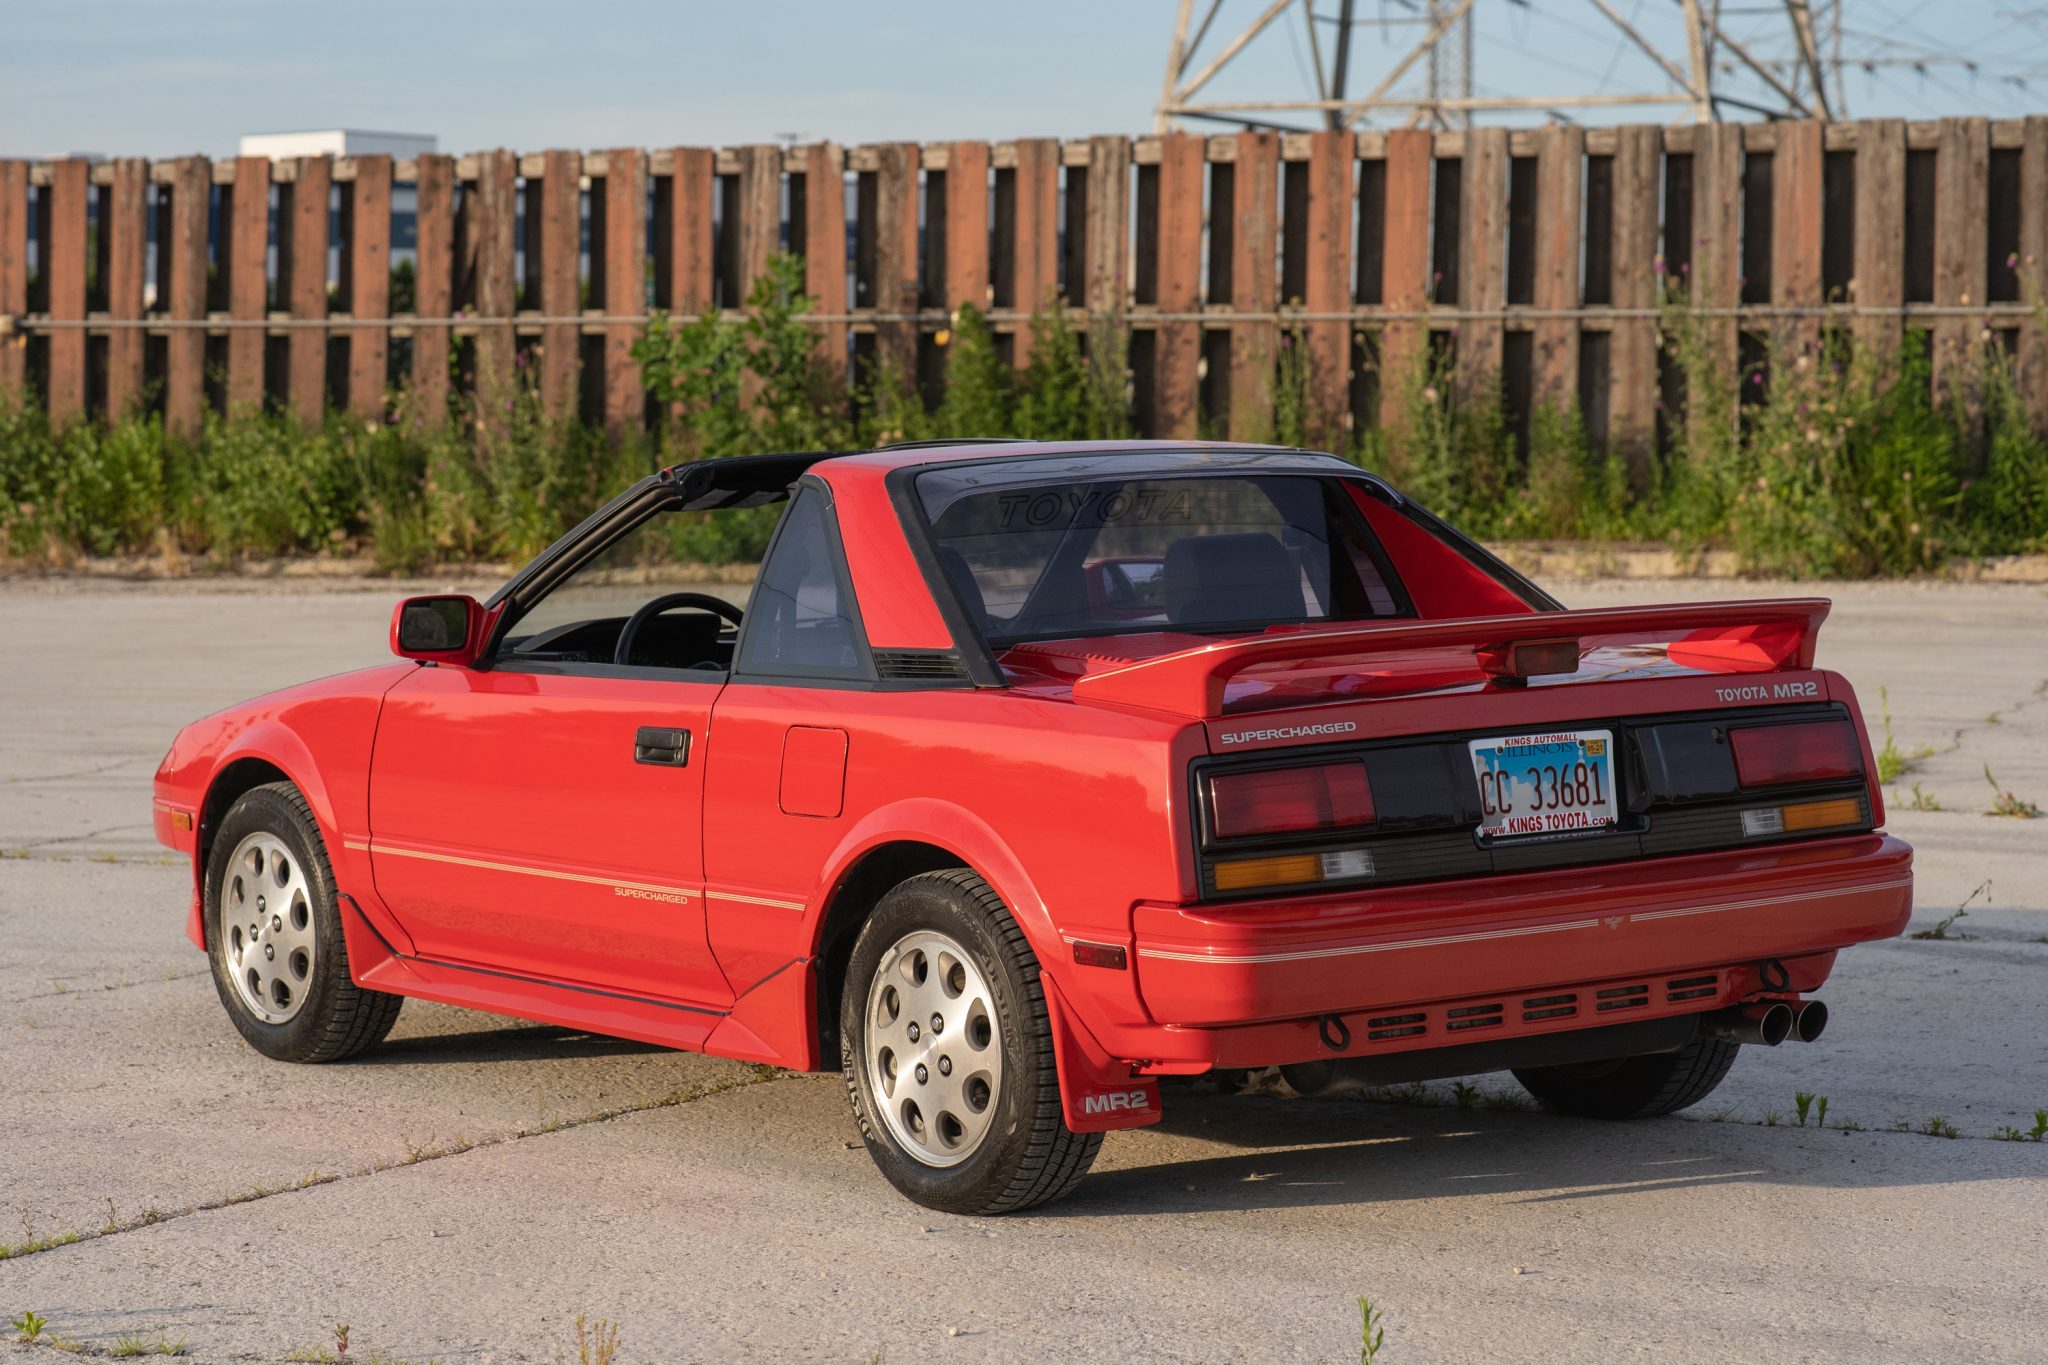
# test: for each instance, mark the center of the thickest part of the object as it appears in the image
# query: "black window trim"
(867, 677)
(917, 530)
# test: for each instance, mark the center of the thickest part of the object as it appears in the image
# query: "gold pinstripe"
(1306, 954)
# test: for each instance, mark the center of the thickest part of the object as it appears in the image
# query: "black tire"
(1633, 1087)
(1028, 1155)
(336, 1018)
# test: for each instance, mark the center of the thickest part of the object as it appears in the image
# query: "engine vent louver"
(920, 665)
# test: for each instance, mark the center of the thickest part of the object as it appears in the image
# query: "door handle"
(666, 747)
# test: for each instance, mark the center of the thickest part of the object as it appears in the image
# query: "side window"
(799, 622)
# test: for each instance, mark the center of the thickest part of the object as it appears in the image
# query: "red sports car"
(1032, 774)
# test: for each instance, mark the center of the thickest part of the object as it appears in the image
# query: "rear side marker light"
(1801, 818)
(1295, 869)
(1110, 955)
(1813, 751)
(1290, 800)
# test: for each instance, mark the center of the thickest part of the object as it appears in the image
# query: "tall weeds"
(1827, 460)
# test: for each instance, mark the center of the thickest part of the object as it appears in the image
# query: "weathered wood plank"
(248, 266)
(1880, 274)
(1108, 232)
(625, 283)
(490, 208)
(554, 254)
(1961, 273)
(896, 273)
(64, 270)
(1033, 264)
(1332, 207)
(684, 281)
(433, 287)
(1176, 385)
(966, 226)
(302, 233)
(760, 225)
(191, 187)
(2032, 357)
(1560, 188)
(1404, 281)
(13, 272)
(369, 284)
(1715, 283)
(1482, 269)
(1797, 165)
(1254, 283)
(124, 228)
(1632, 374)
(824, 248)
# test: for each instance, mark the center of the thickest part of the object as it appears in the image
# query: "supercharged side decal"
(1559, 927)
(639, 890)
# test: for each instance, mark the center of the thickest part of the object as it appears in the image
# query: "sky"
(168, 77)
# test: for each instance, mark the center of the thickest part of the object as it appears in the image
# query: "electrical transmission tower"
(1395, 62)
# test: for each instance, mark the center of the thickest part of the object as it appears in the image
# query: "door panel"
(520, 822)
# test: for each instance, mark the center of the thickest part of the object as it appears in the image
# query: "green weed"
(2005, 803)
(1937, 1126)
(597, 1343)
(1892, 762)
(1803, 1101)
(29, 1325)
(1372, 1331)
(1945, 923)
(158, 1345)
(1922, 800)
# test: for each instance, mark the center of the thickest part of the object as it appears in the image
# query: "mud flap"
(1097, 1092)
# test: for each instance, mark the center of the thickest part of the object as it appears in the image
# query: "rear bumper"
(1233, 983)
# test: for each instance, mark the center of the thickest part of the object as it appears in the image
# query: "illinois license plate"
(1559, 783)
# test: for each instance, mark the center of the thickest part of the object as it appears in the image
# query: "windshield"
(1118, 555)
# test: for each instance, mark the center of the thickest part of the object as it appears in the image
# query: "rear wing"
(1726, 637)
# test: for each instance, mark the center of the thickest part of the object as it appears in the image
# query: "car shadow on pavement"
(1281, 1153)
(518, 1043)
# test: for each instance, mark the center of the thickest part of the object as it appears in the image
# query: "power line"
(1704, 58)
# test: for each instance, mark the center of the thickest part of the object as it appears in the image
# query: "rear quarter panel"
(1072, 814)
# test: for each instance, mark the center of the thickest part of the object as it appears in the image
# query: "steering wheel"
(703, 601)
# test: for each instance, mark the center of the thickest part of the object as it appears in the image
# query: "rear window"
(1101, 556)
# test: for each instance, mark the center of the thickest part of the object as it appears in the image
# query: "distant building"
(337, 142)
(357, 142)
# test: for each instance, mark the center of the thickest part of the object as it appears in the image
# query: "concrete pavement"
(465, 1192)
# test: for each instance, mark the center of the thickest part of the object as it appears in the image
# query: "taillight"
(1811, 751)
(1290, 800)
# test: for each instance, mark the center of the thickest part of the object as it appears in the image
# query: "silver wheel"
(932, 1048)
(266, 928)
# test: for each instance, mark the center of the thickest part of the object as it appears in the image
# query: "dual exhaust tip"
(1769, 1024)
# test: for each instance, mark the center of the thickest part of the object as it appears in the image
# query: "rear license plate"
(1558, 783)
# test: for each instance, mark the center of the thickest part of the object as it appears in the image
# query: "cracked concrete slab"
(746, 1223)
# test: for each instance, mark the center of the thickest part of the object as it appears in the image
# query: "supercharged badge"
(1333, 727)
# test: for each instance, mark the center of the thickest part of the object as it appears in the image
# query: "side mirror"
(441, 630)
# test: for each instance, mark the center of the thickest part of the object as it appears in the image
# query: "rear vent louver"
(1549, 1007)
(1692, 988)
(1396, 1026)
(920, 665)
(1468, 1017)
(1622, 998)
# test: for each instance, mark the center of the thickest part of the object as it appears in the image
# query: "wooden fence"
(1531, 259)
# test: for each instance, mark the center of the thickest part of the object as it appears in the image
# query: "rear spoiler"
(1733, 637)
